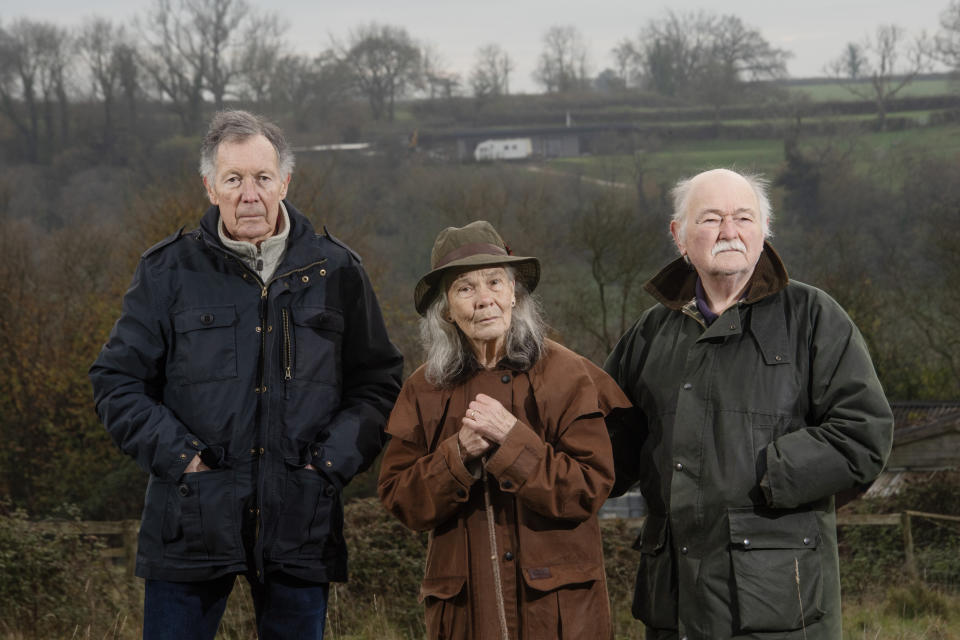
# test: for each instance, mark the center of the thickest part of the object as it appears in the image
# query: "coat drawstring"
(494, 556)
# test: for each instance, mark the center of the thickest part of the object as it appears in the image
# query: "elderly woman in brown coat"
(499, 449)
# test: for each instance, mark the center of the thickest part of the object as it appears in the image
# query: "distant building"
(926, 439)
(503, 149)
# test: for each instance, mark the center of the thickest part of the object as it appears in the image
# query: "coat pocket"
(317, 338)
(444, 606)
(310, 517)
(566, 601)
(206, 344)
(199, 521)
(777, 568)
(655, 593)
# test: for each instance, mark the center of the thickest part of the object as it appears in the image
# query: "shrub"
(52, 582)
(914, 601)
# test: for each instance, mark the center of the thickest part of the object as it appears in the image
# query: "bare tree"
(33, 93)
(737, 55)
(563, 64)
(130, 72)
(881, 65)
(310, 89)
(191, 51)
(384, 62)
(174, 60)
(627, 61)
(217, 24)
(852, 62)
(260, 56)
(439, 81)
(490, 75)
(700, 55)
(947, 41)
(100, 43)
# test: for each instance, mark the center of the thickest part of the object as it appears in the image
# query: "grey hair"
(683, 190)
(449, 356)
(236, 126)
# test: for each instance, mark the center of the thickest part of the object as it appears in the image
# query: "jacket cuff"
(192, 446)
(322, 461)
(517, 457)
(450, 450)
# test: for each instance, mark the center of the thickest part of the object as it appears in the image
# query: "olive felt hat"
(474, 246)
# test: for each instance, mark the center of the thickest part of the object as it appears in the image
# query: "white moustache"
(728, 245)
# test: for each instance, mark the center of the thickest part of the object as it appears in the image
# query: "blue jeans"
(286, 608)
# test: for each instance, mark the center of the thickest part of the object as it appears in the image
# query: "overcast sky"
(814, 30)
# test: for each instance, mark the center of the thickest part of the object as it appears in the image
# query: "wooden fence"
(892, 519)
(122, 534)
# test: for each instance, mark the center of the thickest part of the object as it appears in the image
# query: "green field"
(829, 91)
(764, 155)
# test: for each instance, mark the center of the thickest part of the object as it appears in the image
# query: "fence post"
(911, 562)
(130, 530)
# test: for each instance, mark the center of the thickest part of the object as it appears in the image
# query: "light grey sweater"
(263, 260)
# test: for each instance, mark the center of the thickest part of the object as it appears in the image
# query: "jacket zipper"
(287, 347)
(261, 373)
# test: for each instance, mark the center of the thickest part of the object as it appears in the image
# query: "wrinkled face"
(722, 231)
(481, 303)
(248, 187)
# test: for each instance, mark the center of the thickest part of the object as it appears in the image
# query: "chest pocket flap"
(769, 328)
(320, 318)
(205, 318)
(317, 343)
(206, 344)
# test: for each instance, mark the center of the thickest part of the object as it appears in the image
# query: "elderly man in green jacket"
(756, 403)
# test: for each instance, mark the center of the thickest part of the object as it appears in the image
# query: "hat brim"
(528, 272)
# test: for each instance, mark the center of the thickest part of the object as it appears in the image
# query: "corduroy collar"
(675, 285)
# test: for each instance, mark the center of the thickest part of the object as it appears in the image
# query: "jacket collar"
(300, 232)
(676, 283)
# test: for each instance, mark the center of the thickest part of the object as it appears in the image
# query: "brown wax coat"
(546, 480)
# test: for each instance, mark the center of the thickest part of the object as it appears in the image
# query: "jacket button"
(183, 490)
(746, 542)
(206, 318)
(305, 279)
(732, 327)
(505, 379)
(678, 466)
(329, 463)
(778, 358)
(461, 493)
(329, 491)
(323, 272)
(687, 386)
(806, 541)
(506, 484)
(508, 556)
(684, 550)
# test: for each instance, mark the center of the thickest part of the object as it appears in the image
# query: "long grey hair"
(450, 359)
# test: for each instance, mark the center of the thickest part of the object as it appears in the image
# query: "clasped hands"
(485, 424)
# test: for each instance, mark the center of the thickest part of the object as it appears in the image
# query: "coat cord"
(494, 559)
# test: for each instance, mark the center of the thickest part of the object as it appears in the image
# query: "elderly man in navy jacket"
(250, 375)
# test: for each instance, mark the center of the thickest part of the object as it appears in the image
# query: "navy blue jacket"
(266, 377)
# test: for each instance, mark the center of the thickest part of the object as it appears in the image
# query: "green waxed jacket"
(744, 432)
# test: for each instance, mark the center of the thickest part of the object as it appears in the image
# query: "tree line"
(180, 56)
